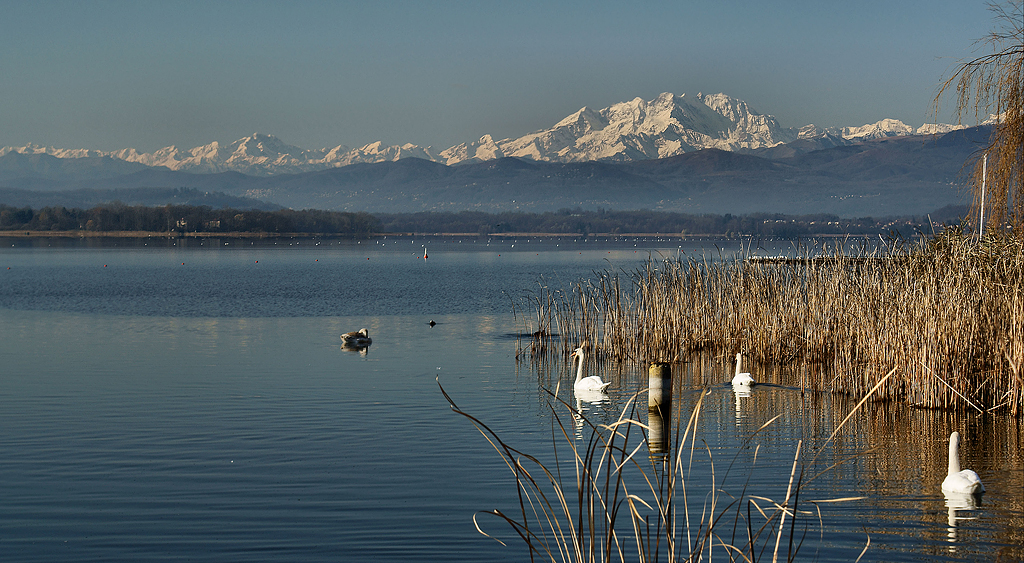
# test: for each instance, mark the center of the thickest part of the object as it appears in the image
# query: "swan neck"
(954, 457)
(739, 361)
(579, 370)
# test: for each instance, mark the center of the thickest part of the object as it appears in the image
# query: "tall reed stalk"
(947, 315)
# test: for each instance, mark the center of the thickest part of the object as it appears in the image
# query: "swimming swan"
(741, 379)
(592, 383)
(360, 337)
(958, 481)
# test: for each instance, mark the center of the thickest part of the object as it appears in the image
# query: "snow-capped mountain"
(666, 126)
(637, 130)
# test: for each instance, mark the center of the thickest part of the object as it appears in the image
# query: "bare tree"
(991, 85)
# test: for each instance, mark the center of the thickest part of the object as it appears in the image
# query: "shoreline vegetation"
(945, 314)
(123, 221)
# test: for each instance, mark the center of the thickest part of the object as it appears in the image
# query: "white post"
(981, 216)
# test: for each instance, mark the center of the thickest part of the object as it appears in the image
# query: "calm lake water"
(193, 401)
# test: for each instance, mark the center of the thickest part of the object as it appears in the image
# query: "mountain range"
(666, 126)
(705, 154)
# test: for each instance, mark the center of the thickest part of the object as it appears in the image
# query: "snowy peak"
(878, 130)
(582, 122)
(477, 151)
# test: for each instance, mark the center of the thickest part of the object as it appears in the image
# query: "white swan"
(957, 481)
(591, 383)
(741, 379)
(360, 337)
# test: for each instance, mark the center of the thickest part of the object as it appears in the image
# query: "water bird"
(957, 481)
(741, 379)
(431, 323)
(359, 337)
(590, 383)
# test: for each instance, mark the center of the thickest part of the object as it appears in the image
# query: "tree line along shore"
(126, 221)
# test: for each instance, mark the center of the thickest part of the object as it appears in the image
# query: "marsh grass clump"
(947, 315)
(613, 493)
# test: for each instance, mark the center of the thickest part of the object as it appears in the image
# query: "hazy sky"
(111, 75)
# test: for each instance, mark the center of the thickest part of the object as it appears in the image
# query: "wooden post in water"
(659, 407)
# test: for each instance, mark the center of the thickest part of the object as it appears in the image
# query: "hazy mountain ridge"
(889, 176)
(666, 126)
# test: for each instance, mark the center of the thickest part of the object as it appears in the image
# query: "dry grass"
(946, 315)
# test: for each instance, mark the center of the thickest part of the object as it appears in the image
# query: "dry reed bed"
(947, 315)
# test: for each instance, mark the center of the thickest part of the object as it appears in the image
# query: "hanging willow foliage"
(991, 85)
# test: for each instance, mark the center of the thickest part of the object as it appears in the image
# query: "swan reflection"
(740, 392)
(586, 400)
(956, 505)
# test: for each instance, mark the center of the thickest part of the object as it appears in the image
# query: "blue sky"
(111, 74)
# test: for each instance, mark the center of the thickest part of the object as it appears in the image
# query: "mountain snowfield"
(628, 131)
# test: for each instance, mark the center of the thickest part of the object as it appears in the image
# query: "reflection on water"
(959, 506)
(659, 409)
(160, 410)
(740, 394)
(361, 350)
(588, 403)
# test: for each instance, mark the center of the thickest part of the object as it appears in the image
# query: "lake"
(192, 400)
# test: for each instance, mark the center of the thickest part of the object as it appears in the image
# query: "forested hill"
(203, 219)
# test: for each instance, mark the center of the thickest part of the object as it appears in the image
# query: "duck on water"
(359, 337)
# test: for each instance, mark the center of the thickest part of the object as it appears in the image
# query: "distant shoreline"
(266, 235)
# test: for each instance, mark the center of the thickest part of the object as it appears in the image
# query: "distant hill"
(88, 198)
